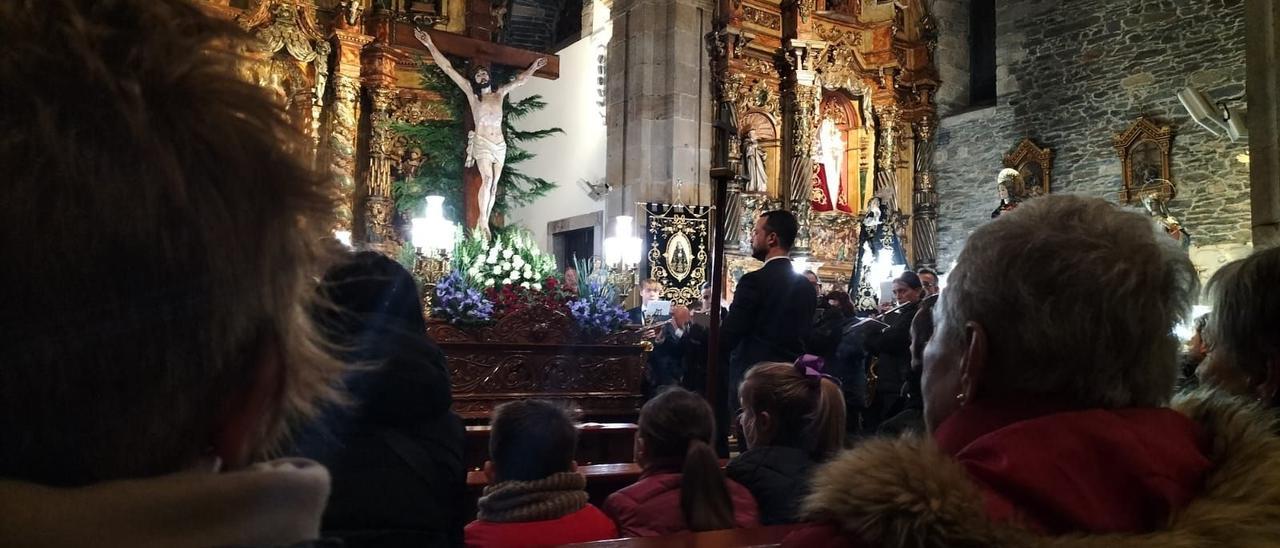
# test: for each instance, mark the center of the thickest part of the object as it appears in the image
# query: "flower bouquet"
(506, 259)
(457, 303)
(495, 278)
(509, 299)
(597, 311)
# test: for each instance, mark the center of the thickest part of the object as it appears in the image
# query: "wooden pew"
(756, 536)
(597, 443)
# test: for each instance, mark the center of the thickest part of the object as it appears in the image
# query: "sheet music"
(866, 322)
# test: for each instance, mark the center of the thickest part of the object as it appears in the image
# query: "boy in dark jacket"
(535, 496)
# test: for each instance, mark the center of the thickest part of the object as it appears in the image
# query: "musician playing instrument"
(892, 350)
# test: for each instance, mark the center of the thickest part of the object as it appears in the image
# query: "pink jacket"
(651, 506)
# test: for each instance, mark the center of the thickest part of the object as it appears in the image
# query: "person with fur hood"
(1047, 391)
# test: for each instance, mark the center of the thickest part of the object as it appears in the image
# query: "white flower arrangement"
(510, 259)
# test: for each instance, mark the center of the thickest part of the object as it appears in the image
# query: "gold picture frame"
(1145, 161)
(1035, 168)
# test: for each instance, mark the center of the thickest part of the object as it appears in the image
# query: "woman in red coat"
(682, 487)
(1046, 391)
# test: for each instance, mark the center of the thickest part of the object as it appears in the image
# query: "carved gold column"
(379, 209)
(801, 94)
(341, 123)
(887, 157)
(377, 228)
(725, 45)
(925, 213)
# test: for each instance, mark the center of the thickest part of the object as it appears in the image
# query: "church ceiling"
(539, 25)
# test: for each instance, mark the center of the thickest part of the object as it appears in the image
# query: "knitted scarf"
(552, 497)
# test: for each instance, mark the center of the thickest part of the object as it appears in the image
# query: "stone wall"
(952, 55)
(1071, 75)
(658, 107)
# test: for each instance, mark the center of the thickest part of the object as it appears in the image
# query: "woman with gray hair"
(1242, 331)
(1046, 393)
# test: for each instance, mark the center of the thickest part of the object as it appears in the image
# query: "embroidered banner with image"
(677, 240)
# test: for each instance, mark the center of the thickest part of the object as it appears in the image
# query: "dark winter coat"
(396, 454)
(892, 349)
(777, 477)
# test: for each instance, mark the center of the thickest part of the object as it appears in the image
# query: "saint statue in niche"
(753, 156)
(830, 187)
(486, 145)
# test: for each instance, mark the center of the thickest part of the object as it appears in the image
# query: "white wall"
(577, 154)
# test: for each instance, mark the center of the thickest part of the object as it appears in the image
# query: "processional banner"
(677, 241)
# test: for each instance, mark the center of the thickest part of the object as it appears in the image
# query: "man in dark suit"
(773, 307)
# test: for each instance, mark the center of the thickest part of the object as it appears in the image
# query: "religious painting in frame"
(677, 242)
(1144, 157)
(1035, 168)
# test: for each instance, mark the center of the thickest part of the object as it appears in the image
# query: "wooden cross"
(478, 47)
(480, 52)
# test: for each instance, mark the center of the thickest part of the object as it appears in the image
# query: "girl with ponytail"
(682, 487)
(793, 418)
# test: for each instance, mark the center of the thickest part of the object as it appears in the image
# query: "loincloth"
(482, 149)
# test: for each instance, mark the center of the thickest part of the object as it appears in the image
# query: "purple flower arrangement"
(457, 303)
(597, 311)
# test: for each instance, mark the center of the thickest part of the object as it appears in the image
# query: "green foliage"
(443, 144)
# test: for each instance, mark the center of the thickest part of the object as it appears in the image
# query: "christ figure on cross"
(486, 145)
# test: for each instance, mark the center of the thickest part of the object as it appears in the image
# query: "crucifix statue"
(486, 144)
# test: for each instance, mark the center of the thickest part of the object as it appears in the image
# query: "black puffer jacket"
(777, 477)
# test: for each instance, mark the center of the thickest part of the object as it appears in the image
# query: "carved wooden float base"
(538, 353)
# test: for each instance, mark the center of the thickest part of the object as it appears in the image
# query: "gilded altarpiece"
(836, 98)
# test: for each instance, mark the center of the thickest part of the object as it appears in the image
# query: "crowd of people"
(173, 309)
